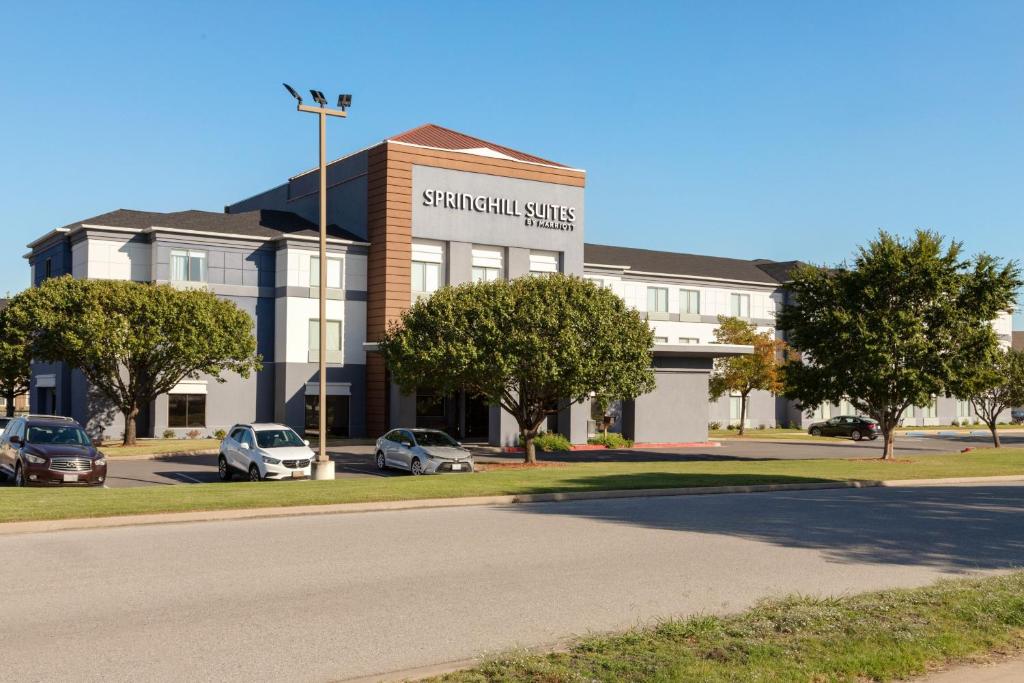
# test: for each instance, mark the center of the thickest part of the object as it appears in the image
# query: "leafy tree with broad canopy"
(994, 386)
(134, 341)
(744, 374)
(14, 363)
(906, 322)
(529, 345)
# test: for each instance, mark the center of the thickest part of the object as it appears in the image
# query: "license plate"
(70, 477)
(456, 466)
(298, 474)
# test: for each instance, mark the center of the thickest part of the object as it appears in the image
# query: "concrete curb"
(164, 456)
(14, 528)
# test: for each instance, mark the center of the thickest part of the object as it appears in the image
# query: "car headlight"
(101, 462)
(35, 459)
(267, 460)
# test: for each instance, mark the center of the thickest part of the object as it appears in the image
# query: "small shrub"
(762, 426)
(220, 434)
(714, 425)
(169, 434)
(611, 440)
(549, 442)
(193, 434)
(730, 427)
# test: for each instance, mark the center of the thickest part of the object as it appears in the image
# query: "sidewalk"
(999, 672)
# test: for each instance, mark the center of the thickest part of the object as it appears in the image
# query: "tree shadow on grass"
(953, 528)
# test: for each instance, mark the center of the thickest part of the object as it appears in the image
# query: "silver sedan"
(422, 451)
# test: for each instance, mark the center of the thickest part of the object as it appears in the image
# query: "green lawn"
(158, 447)
(875, 636)
(802, 435)
(41, 503)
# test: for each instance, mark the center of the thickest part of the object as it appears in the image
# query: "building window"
(689, 340)
(736, 409)
(661, 340)
(488, 265)
(333, 272)
(188, 266)
(930, 410)
(823, 412)
(426, 278)
(845, 407)
(740, 305)
(186, 410)
(543, 262)
(657, 300)
(48, 269)
(963, 409)
(333, 335)
(689, 302)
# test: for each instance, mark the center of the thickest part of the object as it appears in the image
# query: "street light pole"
(323, 467)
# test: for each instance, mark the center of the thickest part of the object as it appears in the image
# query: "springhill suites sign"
(535, 214)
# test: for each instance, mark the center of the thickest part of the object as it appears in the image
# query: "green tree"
(744, 374)
(134, 341)
(527, 345)
(906, 322)
(14, 363)
(994, 386)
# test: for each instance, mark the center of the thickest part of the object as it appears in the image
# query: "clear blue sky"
(750, 129)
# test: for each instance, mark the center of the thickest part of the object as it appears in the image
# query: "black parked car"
(851, 426)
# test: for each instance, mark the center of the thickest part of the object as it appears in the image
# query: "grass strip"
(159, 447)
(874, 636)
(26, 504)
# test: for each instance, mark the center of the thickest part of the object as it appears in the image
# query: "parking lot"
(357, 461)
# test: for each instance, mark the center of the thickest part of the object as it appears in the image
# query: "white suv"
(264, 451)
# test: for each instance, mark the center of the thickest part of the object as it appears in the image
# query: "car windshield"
(438, 439)
(58, 434)
(278, 438)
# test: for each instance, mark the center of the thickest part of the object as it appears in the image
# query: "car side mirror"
(306, 441)
(16, 440)
(245, 446)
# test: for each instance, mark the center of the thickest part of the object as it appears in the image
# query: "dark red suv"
(50, 450)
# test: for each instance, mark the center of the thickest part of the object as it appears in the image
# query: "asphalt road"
(339, 596)
(357, 461)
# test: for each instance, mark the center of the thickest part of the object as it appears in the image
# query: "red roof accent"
(431, 135)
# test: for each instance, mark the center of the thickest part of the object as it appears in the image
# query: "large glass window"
(426, 278)
(689, 302)
(689, 340)
(337, 415)
(186, 410)
(488, 264)
(740, 305)
(188, 266)
(657, 300)
(333, 335)
(333, 272)
(543, 262)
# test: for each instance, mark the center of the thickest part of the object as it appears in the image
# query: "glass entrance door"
(337, 415)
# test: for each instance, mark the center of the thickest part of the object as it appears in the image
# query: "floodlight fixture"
(293, 92)
(344, 101)
(318, 97)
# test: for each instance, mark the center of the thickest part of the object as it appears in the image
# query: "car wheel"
(815, 432)
(223, 470)
(855, 434)
(381, 463)
(254, 473)
(19, 476)
(416, 468)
